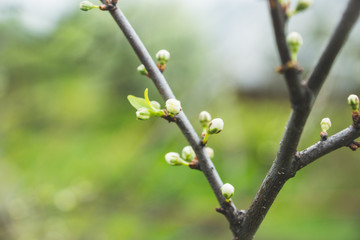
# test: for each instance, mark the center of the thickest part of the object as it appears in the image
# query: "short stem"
(205, 138)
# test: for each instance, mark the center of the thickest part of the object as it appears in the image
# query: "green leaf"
(137, 102)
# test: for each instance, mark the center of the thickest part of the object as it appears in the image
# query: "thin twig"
(206, 165)
(342, 139)
(296, 89)
(336, 42)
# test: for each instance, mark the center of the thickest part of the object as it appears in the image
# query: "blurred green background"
(76, 164)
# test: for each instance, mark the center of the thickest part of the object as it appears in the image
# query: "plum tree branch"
(283, 167)
(341, 139)
(206, 165)
(245, 224)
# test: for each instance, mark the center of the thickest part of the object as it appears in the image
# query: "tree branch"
(244, 225)
(206, 165)
(280, 171)
(341, 139)
(337, 40)
(283, 167)
(296, 89)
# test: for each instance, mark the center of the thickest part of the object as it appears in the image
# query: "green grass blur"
(76, 164)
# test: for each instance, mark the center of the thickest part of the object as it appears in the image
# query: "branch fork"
(245, 224)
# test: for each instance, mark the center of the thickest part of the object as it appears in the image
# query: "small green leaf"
(137, 102)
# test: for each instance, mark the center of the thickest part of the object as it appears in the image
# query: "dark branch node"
(356, 119)
(354, 145)
(194, 164)
(168, 117)
(324, 136)
(289, 66)
(109, 5)
(220, 210)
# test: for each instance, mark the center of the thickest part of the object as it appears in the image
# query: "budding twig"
(206, 165)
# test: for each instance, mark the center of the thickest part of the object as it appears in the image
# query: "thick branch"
(280, 172)
(322, 69)
(206, 165)
(341, 139)
(296, 90)
(283, 166)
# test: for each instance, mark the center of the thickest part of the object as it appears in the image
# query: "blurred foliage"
(76, 164)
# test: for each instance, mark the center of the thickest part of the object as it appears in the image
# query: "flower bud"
(303, 5)
(294, 41)
(188, 153)
(353, 101)
(209, 151)
(173, 106)
(86, 6)
(174, 159)
(142, 70)
(227, 191)
(155, 104)
(216, 126)
(143, 114)
(163, 56)
(284, 1)
(204, 118)
(325, 124)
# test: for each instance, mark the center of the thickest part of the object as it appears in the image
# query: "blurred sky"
(234, 28)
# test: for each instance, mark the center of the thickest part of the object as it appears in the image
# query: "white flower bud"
(294, 41)
(227, 191)
(303, 5)
(163, 56)
(142, 70)
(173, 106)
(174, 159)
(204, 118)
(143, 114)
(155, 104)
(353, 101)
(86, 6)
(188, 153)
(325, 124)
(216, 126)
(209, 151)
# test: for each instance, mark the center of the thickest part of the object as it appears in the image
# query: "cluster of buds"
(188, 157)
(301, 6)
(209, 126)
(187, 154)
(325, 126)
(227, 190)
(353, 101)
(146, 108)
